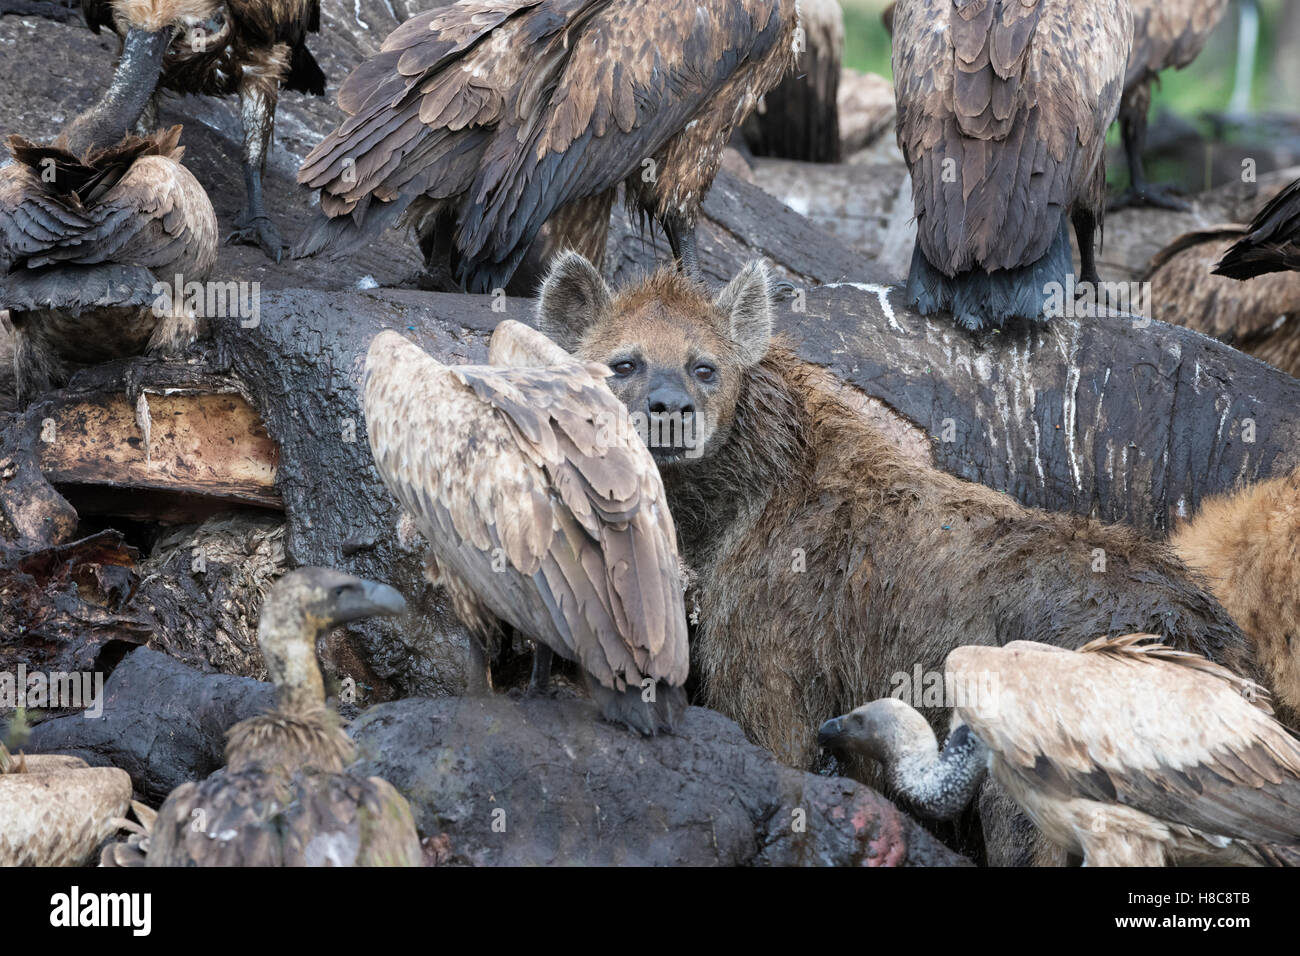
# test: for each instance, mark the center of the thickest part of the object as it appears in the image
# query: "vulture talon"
(1150, 197)
(258, 231)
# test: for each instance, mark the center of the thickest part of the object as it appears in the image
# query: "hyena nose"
(669, 399)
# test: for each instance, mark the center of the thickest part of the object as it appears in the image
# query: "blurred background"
(1241, 96)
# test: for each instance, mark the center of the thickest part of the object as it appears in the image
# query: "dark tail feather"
(983, 300)
(1245, 260)
(629, 709)
(305, 74)
(342, 235)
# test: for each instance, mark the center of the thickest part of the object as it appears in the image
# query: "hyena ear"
(573, 296)
(747, 304)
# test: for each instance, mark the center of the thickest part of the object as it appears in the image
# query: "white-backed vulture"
(1166, 34)
(1003, 108)
(1246, 544)
(55, 810)
(1123, 752)
(244, 48)
(542, 509)
(476, 122)
(799, 117)
(1261, 316)
(83, 243)
(1271, 242)
(285, 797)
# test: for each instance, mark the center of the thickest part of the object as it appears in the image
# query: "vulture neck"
(122, 104)
(764, 449)
(939, 785)
(287, 635)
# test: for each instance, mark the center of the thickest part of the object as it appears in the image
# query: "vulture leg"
(254, 227)
(439, 249)
(681, 237)
(478, 682)
(1133, 129)
(1085, 231)
(148, 121)
(540, 680)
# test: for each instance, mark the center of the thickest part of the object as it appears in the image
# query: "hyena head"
(679, 357)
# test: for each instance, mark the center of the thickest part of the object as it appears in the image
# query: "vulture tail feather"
(344, 235)
(626, 707)
(989, 300)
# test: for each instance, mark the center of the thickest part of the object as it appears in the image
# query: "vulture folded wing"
(1167, 733)
(516, 345)
(228, 820)
(418, 110)
(529, 487)
(605, 96)
(133, 204)
(1002, 115)
(311, 818)
(31, 219)
(1169, 33)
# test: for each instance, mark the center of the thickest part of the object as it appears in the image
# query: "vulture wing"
(1163, 731)
(1003, 107)
(600, 102)
(1169, 33)
(516, 345)
(525, 105)
(271, 819)
(531, 489)
(132, 204)
(1271, 242)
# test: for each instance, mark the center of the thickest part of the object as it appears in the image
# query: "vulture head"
(679, 356)
(891, 732)
(151, 31)
(304, 606)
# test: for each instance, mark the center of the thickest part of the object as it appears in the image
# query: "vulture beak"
(829, 733)
(370, 599)
(127, 95)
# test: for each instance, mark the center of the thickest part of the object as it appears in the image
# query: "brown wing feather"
(1147, 728)
(131, 204)
(1002, 114)
(532, 461)
(515, 109)
(311, 818)
(1169, 33)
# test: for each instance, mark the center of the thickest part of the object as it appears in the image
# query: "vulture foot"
(252, 229)
(1152, 197)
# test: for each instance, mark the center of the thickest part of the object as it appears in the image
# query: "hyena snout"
(669, 399)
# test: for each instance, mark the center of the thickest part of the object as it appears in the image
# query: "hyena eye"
(705, 373)
(625, 367)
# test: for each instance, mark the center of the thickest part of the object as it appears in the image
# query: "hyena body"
(1247, 545)
(828, 561)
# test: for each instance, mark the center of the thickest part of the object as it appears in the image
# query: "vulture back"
(536, 495)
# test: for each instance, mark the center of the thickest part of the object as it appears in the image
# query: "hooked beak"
(829, 733)
(119, 109)
(372, 599)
